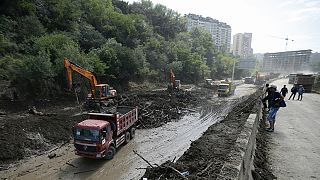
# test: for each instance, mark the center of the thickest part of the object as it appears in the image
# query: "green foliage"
(9, 67)
(28, 27)
(6, 47)
(57, 46)
(88, 37)
(37, 67)
(166, 22)
(117, 41)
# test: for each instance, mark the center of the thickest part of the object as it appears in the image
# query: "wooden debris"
(71, 165)
(204, 170)
(79, 172)
(143, 158)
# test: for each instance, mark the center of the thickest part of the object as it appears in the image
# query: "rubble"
(206, 155)
(161, 107)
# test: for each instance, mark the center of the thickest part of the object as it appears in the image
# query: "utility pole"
(234, 64)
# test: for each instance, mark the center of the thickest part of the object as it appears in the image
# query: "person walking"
(276, 100)
(266, 91)
(300, 92)
(284, 91)
(293, 92)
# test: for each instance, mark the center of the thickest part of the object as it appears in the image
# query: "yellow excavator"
(174, 84)
(99, 92)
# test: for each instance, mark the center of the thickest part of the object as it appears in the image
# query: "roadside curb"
(239, 161)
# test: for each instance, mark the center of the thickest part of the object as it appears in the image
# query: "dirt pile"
(205, 157)
(23, 134)
(159, 107)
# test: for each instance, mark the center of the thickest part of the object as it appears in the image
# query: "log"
(208, 166)
(141, 123)
(71, 165)
(178, 172)
(143, 158)
(79, 172)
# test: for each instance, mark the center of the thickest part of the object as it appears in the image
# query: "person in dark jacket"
(284, 91)
(300, 92)
(293, 92)
(266, 91)
(274, 98)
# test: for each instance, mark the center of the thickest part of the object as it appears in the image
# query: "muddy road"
(157, 145)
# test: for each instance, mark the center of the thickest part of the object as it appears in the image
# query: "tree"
(88, 37)
(166, 22)
(10, 67)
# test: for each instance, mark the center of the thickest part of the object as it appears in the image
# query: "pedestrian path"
(295, 144)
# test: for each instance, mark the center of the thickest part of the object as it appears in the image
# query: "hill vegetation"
(119, 42)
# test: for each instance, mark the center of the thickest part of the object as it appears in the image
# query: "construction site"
(134, 90)
(169, 130)
(288, 61)
(205, 131)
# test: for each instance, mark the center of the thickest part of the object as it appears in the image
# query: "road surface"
(295, 144)
(156, 145)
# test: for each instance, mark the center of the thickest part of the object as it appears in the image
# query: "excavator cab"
(104, 91)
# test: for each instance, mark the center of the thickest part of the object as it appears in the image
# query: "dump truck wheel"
(133, 132)
(110, 152)
(127, 137)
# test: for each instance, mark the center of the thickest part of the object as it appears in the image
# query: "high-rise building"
(242, 45)
(286, 62)
(220, 31)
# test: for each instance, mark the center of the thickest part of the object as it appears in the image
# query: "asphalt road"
(295, 144)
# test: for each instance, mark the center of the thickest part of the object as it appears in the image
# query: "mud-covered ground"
(157, 145)
(23, 134)
(157, 108)
(262, 169)
(206, 155)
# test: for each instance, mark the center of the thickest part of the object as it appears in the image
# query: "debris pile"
(205, 157)
(158, 108)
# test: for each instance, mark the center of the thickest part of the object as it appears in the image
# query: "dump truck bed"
(121, 120)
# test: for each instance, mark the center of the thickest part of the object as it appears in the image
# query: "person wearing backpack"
(276, 100)
(300, 92)
(293, 92)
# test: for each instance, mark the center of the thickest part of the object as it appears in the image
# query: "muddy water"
(156, 145)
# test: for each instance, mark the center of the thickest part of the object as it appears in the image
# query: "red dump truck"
(102, 133)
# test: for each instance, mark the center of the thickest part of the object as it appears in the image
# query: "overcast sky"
(266, 19)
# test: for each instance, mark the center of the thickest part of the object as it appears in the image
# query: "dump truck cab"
(225, 88)
(249, 80)
(92, 138)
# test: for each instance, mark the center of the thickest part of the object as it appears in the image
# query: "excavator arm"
(70, 66)
(172, 78)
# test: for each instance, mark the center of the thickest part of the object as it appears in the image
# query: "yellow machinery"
(98, 91)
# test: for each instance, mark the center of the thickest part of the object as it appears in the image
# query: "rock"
(53, 155)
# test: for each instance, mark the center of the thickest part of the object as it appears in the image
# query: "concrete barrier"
(239, 161)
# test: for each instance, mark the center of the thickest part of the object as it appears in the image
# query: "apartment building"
(220, 31)
(242, 45)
